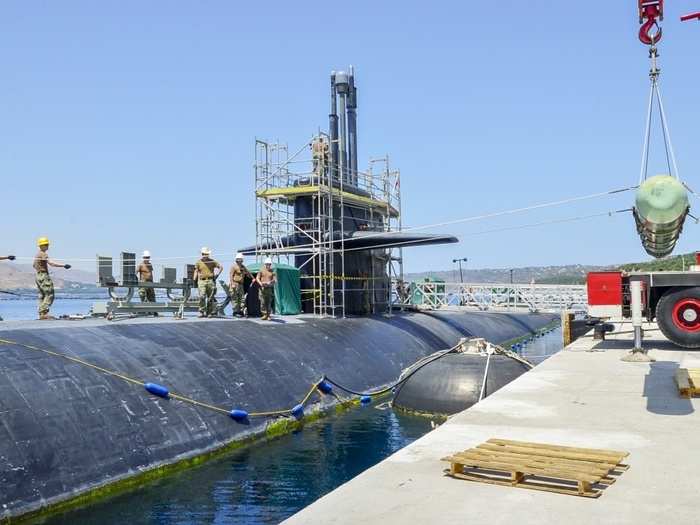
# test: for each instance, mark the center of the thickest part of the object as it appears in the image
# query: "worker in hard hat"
(145, 273)
(319, 155)
(266, 279)
(236, 285)
(43, 279)
(206, 271)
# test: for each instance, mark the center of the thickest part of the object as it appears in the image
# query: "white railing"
(532, 297)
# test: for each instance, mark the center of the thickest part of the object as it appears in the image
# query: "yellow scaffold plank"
(292, 192)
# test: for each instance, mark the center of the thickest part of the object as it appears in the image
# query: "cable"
(507, 228)
(473, 218)
(405, 375)
(647, 135)
(667, 131)
(655, 91)
(295, 248)
(486, 374)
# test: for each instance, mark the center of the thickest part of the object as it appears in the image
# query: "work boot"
(200, 316)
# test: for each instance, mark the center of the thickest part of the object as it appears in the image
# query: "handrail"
(494, 296)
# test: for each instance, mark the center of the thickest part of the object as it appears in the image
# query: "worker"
(266, 279)
(43, 279)
(401, 291)
(236, 285)
(366, 305)
(205, 273)
(145, 272)
(319, 154)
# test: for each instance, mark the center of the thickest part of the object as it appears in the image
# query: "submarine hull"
(67, 429)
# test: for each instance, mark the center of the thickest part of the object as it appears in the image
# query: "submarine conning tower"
(340, 226)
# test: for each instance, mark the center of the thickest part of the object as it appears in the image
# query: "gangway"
(494, 296)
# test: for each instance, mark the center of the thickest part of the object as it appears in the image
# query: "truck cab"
(671, 298)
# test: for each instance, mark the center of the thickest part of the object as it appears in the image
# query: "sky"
(130, 125)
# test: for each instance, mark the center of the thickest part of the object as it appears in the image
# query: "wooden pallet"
(553, 468)
(688, 381)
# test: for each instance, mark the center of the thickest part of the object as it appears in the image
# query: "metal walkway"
(531, 297)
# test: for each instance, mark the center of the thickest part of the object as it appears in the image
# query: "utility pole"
(463, 259)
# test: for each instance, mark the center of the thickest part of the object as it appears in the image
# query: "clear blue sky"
(130, 125)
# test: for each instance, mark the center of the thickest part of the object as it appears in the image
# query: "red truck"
(672, 299)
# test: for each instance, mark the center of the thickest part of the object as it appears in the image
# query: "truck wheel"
(678, 316)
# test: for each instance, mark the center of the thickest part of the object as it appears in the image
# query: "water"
(25, 309)
(540, 348)
(267, 482)
(264, 483)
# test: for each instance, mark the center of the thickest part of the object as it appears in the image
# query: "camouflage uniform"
(206, 285)
(237, 290)
(43, 282)
(145, 271)
(147, 295)
(319, 153)
(267, 291)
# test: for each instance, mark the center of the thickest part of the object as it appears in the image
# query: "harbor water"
(269, 481)
(26, 309)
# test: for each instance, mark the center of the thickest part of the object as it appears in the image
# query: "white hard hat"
(239, 256)
(268, 261)
(205, 251)
(146, 254)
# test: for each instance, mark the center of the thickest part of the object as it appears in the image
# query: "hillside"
(674, 263)
(21, 276)
(569, 274)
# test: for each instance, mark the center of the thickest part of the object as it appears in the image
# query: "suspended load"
(661, 204)
(660, 208)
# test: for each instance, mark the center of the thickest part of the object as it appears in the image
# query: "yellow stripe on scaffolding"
(302, 191)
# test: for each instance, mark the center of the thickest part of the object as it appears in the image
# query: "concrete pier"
(585, 396)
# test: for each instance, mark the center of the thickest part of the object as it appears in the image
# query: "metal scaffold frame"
(280, 178)
(437, 295)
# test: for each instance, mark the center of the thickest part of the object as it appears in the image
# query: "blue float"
(365, 399)
(157, 390)
(298, 411)
(325, 387)
(238, 415)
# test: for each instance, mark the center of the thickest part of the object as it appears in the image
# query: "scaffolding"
(320, 227)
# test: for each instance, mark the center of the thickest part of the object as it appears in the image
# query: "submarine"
(94, 407)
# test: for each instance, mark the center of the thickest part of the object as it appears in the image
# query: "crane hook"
(646, 36)
(650, 12)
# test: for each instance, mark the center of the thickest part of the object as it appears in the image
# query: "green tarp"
(417, 295)
(287, 288)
